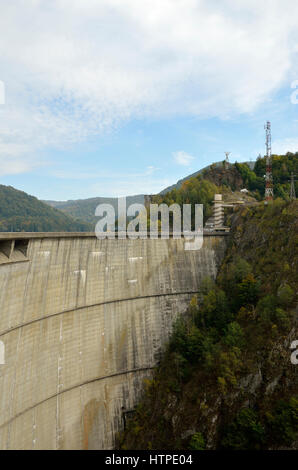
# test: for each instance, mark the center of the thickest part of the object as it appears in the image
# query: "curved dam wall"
(83, 322)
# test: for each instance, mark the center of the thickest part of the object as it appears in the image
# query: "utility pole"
(292, 190)
(268, 176)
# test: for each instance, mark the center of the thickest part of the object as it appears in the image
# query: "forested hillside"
(226, 380)
(195, 190)
(84, 209)
(201, 186)
(282, 167)
(229, 179)
(21, 212)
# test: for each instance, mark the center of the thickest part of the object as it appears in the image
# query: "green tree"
(234, 335)
(197, 442)
(244, 433)
(285, 295)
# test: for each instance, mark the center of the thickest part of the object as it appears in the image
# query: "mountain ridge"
(20, 211)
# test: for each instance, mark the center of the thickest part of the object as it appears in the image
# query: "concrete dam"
(82, 323)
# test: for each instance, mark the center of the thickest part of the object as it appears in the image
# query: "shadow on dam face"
(84, 322)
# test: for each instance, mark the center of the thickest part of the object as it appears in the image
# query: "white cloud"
(183, 158)
(75, 68)
(280, 147)
(2, 92)
(91, 174)
(129, 187)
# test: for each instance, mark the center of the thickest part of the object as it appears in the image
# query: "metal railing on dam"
(83, 322)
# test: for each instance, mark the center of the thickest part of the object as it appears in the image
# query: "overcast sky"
(118, 97)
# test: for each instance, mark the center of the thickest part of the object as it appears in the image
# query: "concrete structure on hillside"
(216, 222)
(83, 322)
(218, 211)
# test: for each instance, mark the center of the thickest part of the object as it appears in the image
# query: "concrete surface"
(83, 322)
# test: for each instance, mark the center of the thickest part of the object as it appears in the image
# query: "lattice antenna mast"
(227, 156)
(268, 176)
(292, 189)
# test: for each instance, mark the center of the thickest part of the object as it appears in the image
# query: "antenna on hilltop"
(227, 156)
(268, 176)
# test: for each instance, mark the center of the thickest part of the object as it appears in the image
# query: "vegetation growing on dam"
(226, 380)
